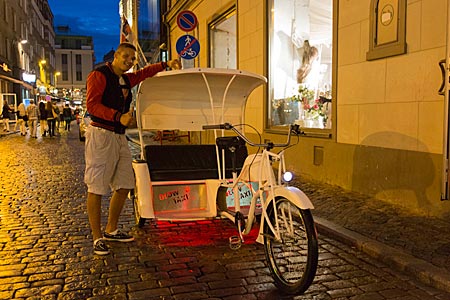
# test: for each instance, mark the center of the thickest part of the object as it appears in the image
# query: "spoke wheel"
(140, 222)
(292, 260)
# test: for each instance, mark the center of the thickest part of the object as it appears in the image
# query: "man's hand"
(127, 119)
(174, 64)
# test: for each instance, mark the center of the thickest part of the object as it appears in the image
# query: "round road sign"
(187, 20)
(188, 46)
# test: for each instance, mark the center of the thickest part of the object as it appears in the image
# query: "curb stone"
(421, 270)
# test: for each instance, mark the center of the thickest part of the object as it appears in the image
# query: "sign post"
(187, 45)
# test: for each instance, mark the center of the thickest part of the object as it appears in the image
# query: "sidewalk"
(5, 133)
(11, 129)
(417, 245)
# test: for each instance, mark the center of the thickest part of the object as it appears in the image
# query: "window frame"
(221, 16)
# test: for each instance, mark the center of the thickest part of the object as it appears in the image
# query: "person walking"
(59, 107)
(51, 117)
(21, 114)
(43, 119)
(32, 113)
(107, 155)
(5, 115)
(67, 115)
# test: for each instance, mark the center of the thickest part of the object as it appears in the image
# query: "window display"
(301, 63)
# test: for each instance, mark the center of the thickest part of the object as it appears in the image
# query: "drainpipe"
(444, 90)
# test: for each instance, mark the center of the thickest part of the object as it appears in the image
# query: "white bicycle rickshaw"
(200, 181)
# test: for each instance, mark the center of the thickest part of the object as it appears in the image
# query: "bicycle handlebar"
(293, 128)
(225, 126)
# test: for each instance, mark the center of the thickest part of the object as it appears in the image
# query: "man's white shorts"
(108, 161)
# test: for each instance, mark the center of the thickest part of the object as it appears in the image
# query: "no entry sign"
(187, 20)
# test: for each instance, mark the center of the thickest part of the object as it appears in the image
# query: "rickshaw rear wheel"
(140, 221)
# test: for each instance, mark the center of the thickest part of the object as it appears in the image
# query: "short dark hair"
(126, 45)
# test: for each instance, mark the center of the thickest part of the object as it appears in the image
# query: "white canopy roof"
(188, 99)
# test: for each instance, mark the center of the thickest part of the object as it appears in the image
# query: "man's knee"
(123, 192)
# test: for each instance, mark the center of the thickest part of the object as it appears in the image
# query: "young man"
(32, 112)
(108, 158)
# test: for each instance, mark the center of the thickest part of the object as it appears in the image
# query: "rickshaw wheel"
(140, 222)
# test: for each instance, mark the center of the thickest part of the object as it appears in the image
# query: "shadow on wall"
(382, 171)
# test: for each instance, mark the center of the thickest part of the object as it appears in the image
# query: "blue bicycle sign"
(188, 46)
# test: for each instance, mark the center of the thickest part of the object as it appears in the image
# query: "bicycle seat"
(226, 142)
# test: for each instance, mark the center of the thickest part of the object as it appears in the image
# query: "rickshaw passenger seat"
(189, 162)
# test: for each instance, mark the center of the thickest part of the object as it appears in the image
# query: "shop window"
(222, 32)
(300, 63)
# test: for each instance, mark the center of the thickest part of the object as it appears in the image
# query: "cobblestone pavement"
(46, 247)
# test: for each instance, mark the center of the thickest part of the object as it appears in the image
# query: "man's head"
(124, 58)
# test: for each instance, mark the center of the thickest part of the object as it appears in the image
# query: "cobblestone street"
(46, 247)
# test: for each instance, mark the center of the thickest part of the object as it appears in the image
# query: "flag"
(126, 34)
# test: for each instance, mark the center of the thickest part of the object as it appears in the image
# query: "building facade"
(26, 49)
(360, 76)
(74, 60)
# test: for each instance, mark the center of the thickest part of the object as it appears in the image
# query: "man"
(21, 113)
(32, 112)
(108, 158)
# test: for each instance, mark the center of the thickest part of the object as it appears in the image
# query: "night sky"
(97, 18)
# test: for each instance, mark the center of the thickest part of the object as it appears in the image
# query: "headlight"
(288, 176)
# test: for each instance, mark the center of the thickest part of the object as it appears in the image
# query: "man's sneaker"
(100, 248)
(118, 236)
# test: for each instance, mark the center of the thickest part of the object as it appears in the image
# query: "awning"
(25, 84)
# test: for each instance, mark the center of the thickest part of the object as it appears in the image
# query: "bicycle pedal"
(235, 242)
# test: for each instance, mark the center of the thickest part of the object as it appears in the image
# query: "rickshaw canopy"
(190, 98)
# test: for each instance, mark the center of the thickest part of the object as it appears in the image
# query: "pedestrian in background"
(21, 114)
(32, 112)
(5, 115)
(59, 110)
(108, 157)
(51, 117)
(67, 115)
(43, 119)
